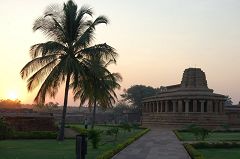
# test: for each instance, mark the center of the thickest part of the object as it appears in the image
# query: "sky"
(155, 39)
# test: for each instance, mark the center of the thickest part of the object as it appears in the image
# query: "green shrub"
(113, 132)
(33, 135)
(94, 135)
(135, 125)
(5, 130)
(79, 130)
(110, 153)
(216, 145)
(199, 132)
(125, 127)
(193, 152)
(226, 127)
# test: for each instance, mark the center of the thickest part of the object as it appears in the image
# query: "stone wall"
(23, 123)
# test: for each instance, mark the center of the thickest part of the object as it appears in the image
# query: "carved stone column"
(195, 106)
(221, 108)
(180, 106)
(216, 108)
(166, 106)
(174, 102)
(157, 106)
(209, 106)
(186, 106)
(202, 105)
(161, 106)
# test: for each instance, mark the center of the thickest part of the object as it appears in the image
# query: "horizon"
(156, 41)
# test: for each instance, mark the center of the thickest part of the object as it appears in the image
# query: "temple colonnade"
(183, 106)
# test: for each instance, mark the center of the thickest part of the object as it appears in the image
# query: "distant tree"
(10, 104)
(48, 107)
(228, 102)
(136, 93)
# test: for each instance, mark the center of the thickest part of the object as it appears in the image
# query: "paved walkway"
(156, 144)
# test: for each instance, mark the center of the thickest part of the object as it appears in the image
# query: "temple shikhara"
(189, 102)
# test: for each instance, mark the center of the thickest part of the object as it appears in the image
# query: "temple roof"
(194, 83)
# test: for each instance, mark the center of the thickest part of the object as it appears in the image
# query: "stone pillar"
(221, 108)
(209, 106)
(161, 106)
(152, 107)
(157, 106)
(195, 106)
(174, 106)
(202, 105)
(215, 104)
(180, 106)
(166, 106)
(186, 106)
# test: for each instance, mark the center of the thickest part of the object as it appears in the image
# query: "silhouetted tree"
(64, 57)
(97, 87)
(136, 93)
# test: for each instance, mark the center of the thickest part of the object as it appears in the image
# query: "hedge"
(110, 153)
(33, 135)
(195, 154)
(176, 132)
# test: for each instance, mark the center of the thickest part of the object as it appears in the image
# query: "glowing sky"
(156, 40)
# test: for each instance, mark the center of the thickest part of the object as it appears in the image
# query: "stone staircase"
(183, 119)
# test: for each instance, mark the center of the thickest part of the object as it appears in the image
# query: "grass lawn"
(220, 153)
(214, 136)
(52, 149)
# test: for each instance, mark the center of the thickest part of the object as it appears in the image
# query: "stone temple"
(186, 103)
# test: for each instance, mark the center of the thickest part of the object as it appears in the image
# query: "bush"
(79, 129)
(5, 130)
(226, 127)
(33, 135)
(113, 132)
(216, 145)
(125, 127)
(199, 132)
(95, 136)
(135, 126)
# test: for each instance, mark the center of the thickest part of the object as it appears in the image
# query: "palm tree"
(97, 87)
(63, 57)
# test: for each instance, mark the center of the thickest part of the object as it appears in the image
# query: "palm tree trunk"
(94, 112)
(61, 130)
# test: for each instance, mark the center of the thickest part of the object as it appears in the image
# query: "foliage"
(5, 129)
(10, 104)
(136, 93)
(113, 132)
(48, 107)
(80, 130)
(193, 152)
(199, 132)
(226, 127)
(125, 126)
(228, 101)
(216, 145)
(65, 57)
(97, 87)
(95, 136)
(33, 135)
(110, 153)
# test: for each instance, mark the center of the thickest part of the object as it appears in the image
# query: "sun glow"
(12, 95)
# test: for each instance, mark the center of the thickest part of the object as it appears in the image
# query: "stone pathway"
(156, 144)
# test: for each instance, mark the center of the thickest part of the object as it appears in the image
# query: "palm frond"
(85, 38)
(47, 48)
(37, 63)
